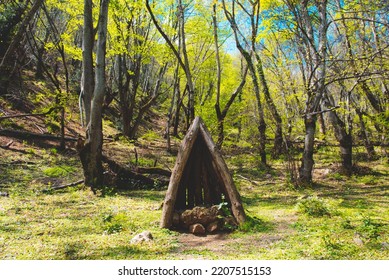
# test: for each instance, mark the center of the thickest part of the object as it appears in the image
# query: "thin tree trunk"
(344, 138)
(177, 97)
(278, 140)
(87, 80)
(18, 36)
(366, 140)
(183, 63)
(189, 78)
(316, 87)
(91, 153)
(305, 172)
(250, 64)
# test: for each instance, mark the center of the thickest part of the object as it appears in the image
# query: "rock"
(4, 194)
(357, 240)
(145, 236)
(212, 227)
(197, 229)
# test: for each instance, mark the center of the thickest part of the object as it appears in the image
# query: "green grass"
(340, 217)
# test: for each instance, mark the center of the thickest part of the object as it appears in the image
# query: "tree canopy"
(263, 74)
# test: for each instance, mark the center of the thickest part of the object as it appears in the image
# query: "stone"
(197, 229)
(357, 240)
(5, 194)
(145, 236)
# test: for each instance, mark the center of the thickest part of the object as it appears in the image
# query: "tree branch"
(323, 111)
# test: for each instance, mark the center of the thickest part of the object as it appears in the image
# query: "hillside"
(339, 217)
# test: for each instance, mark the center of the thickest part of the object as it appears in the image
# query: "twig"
(323, 111)
(247, 179)
(6, 146)
(63, 186)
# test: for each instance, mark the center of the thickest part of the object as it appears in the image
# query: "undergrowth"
(340, 217)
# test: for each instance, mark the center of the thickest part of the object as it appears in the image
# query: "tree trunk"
(278, 147)
(177, 98)
(18, 36)
(248, 56)
(316, 85)
(345, 142)
(366, 140)
(87, 79)
(183, 63)
(305, 172)
(91, 153)
(187, 70)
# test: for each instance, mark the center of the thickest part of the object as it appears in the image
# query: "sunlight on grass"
(340, 217)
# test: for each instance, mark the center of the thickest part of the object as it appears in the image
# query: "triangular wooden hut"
(200, 177)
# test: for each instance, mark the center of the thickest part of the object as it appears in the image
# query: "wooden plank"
(175, 179)
(197, 172)
(206, 183)
(233, 195)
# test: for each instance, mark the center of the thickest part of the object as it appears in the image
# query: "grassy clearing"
(338, 218)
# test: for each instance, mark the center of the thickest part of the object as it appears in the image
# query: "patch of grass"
(313, 206)
(255, 224)
(75, 224)
(369, 180)
(115, 223)
(150, 135)
(337, 176)
(369, 229)
(58, 171)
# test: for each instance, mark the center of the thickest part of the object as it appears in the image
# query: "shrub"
(114, 223)
(313, 206)
(369, 229)
(254, 224)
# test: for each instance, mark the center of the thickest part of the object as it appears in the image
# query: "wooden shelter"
(200, 177)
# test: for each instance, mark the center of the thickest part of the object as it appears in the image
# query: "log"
(22, 134)
(63, 186)
(205, 181)
(198, 188)
(153, 170)
(30, 114)
(175, 179)
(6, 146)
(233, 195)
(126, 173)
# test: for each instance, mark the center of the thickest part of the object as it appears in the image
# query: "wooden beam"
(178, 170)
(233, 195)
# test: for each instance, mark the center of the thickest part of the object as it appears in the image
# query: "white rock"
(145, 236)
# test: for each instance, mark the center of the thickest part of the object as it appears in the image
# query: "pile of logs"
(202, 220)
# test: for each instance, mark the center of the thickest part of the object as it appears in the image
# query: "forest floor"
(339, 217)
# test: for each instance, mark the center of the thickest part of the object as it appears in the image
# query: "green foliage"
(115, 223)
(223, 206)
(59, 171)
(337, 176)
(150, 135)
(313, 206)
(369, 229)
(255, 224)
